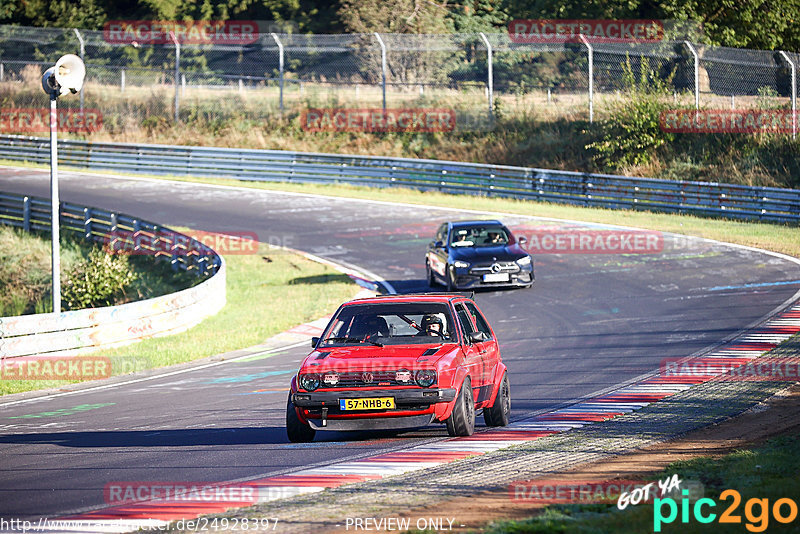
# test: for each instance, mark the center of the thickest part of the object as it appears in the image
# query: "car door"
(437, 256)
(474, 360)
(487, 349)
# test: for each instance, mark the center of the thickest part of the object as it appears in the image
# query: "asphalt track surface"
(592, 321)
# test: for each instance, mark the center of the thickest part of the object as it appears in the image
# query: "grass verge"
(267, 293)
(765, 472)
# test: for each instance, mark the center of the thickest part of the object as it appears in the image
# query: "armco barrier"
(599, 190)
(76, 332)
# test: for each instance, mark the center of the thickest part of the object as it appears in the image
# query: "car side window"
(441, 234)
(480, 322)
(463, 318)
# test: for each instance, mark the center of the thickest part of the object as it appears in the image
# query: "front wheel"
(296, 430)
(497, 413)
(451, 278)
(462, 420)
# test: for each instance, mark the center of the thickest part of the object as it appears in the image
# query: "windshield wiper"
(344, 340)
(353, 340)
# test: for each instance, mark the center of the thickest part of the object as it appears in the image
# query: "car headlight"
(524, 262)
(425, 377)
(460, 264)
(309, 382)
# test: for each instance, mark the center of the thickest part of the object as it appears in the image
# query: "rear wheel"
(462, 420)
(296, 430)
(497, 413)
(431, 275)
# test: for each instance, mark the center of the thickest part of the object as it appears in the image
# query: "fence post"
(490, 74)
(691, 48)
(26, 214)
(280, 66)
(83, 53)
(87, 223)
(383, 68)
(591, 77)
(177, 73)
(122, 82)
(2, 72)
(794, 92)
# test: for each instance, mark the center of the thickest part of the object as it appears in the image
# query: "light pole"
(65, 77)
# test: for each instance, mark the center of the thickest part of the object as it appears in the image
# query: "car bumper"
(413, 408)
(409, 398)
(468, 280)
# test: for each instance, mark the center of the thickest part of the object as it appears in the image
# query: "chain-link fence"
(477, 75)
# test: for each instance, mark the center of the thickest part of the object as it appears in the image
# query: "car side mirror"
(438, 244)
(476, 337)
(522, 241)
(314, 341)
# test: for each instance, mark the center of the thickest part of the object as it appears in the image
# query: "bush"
(632, 133)
(99, 280)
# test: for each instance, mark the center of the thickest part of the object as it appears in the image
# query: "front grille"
(355, 379)
(502, 267)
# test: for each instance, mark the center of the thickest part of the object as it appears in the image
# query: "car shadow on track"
(199, 437)
(404, 287)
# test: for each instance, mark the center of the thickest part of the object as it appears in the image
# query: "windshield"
(390, 324)
(479, 236)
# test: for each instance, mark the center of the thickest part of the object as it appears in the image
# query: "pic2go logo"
(756, 511)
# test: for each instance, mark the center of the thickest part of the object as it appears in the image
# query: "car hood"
(372, 357)
(499, 253)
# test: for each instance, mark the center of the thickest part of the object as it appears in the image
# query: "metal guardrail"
(75, 332)
(597, 190)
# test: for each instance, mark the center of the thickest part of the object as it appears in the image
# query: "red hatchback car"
(401, 361)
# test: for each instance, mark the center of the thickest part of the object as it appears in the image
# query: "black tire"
(450, 277)
(462, 421)
(430, 274)
(296, 430)
(497, 413)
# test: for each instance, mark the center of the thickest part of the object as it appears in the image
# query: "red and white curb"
(735, 353)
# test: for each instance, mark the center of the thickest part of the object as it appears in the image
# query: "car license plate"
(376, 403)
(496, 277)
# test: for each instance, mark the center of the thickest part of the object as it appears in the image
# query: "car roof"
(457, 224)
(413, 297)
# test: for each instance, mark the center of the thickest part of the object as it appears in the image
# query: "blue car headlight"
(524, 262)
(460, 264)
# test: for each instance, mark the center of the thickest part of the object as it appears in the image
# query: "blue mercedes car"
(474, 254)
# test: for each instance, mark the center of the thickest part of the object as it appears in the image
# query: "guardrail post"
(383, 68)
(83, 53)
(590, 51)
(26, 214)
(692, 49)
(794, 92)
(177, 73)
(122, 81)
(87, 223)
(280, 66)
(489, 74)
(2, 72)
